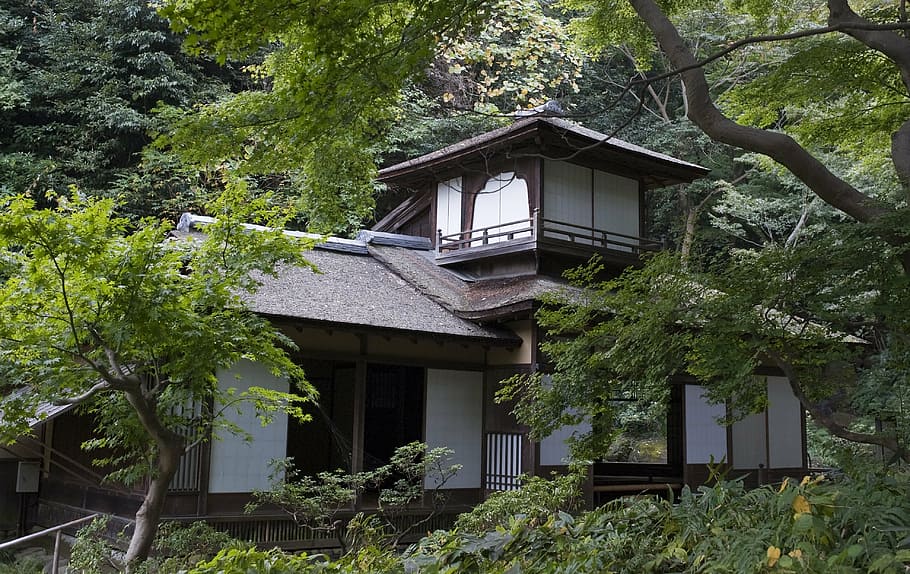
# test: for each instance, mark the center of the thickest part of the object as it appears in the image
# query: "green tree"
(81, 82)
(316, 501)
(134, 326)
(332, 78)
(830, 104)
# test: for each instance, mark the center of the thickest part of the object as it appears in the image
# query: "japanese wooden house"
(409, 329)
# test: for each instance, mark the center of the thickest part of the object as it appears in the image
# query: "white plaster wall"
(785, 425)
(704, 436)
(554, 450)
(503, 199)
(237, 465)
(448, 206)
(616, 206)
(522, 355)
(749, 442)
(454, 419)
(567, 195)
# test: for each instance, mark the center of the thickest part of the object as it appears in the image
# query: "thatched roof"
(389, 282)
(470, 299)
(360, 292)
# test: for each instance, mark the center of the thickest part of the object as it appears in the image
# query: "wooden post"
(486, 236)
(535, 223)
(360, 397)
(438, 240)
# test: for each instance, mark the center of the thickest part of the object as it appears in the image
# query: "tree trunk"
(170, 447)
(149, 513)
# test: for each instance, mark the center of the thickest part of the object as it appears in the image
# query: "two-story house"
(409, 329)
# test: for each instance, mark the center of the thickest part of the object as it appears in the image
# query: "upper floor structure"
(534, 197)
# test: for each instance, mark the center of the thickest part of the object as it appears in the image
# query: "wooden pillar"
(360, 395)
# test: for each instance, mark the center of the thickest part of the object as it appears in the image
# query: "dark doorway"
(324, 443)
(393, 416)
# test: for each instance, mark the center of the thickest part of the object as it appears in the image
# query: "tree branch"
(94, 390)
(843, 27)
(778, 146)
(879, 38)
(825, 419)
(900, 154)
(800, 224)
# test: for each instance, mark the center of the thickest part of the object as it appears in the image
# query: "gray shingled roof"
(359, 291)
(504, 133)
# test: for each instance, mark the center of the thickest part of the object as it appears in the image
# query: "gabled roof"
(657, 168)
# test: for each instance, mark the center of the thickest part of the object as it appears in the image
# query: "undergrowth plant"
(412, 480)
(537, 497)
(814, 525)
(178, 547)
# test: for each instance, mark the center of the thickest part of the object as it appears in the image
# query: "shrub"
(817, 526)
(809, 526)
(317, 502)
(180, 546)
(537, 497)
(177, 547)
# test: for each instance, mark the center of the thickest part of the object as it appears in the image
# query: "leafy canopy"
(332, 75)
(92, 310)
(81, 78)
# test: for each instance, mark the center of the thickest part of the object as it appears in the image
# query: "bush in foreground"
(815, 525)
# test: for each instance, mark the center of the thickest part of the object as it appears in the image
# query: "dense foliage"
(817, 525)
(415, 476)
(89, 313)
(81, 82)
(178, 547)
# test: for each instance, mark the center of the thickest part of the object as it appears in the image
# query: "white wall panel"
(704, 436)
(785, 425)
(749, 442)
(237, 465)
(554, 450)
(454, 419)
(616, 206)
(567, 193)
(448, 206)
(503, 199)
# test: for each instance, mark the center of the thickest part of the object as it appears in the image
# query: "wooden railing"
(286, 533)
(486, 235)
(600, 238)
(536, 227)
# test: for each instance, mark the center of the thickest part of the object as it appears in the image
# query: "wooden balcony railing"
(599, 238)
(536, 228)
(522, 228)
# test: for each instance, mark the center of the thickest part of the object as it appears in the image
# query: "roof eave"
(495, 340)
(673, 171)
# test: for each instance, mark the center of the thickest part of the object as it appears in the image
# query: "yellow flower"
(805, 481)
(797, 554)
(801, 505)
(783, 485)
(773, 555)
